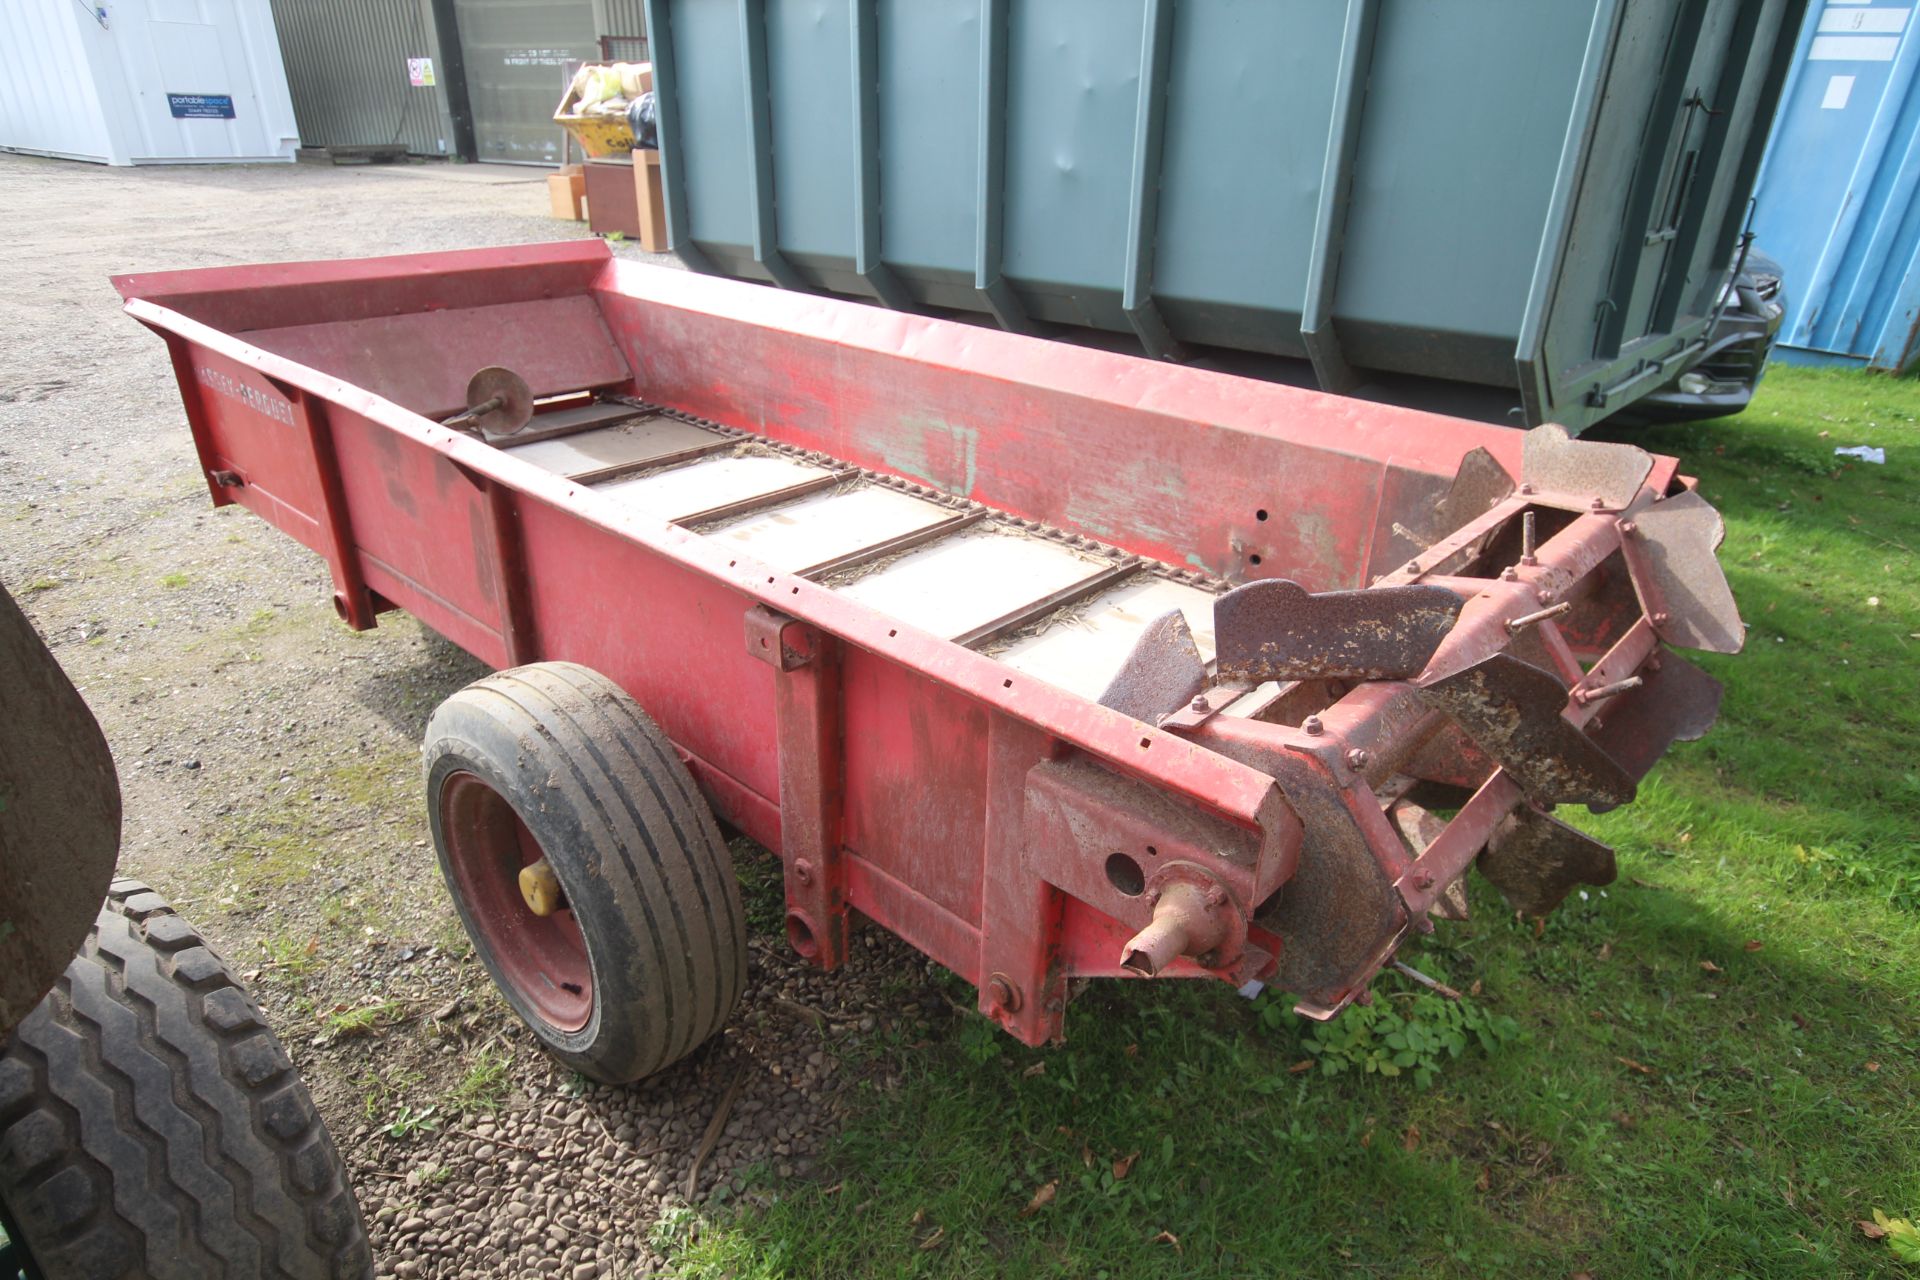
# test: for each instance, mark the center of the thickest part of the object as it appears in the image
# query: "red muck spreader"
(1057, 663)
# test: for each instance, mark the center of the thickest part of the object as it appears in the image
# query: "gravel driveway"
(269, 757)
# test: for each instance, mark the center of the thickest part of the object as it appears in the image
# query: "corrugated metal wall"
(347, 66)
(621, 17)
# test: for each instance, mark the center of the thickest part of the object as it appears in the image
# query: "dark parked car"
(1724, 380)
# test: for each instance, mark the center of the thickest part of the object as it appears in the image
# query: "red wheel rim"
(543, 959)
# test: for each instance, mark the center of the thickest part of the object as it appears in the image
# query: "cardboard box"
(566, 191)
(651, 206)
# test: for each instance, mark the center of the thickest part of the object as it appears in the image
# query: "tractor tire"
(553, 769)
(151, 1125)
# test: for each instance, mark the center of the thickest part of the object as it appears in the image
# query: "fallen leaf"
(1167, 1237)
(1539, 926)
(1132, 1051)
(1037, 1069)
(1086, 1155)
(1063, 1130)
(1622, 1119)
(1606, 950)
(1305, 1064)
(1124, 1166)
(1873, 1066)
(1710, 966)
(933, 1241)
(1485, 1179)
(1041, 1199)
(1410, 1140)
(1871, 1230)
(1800, 1022)
(919, 1216)
(1631, 1065)
(1581, 1275)
(1754, 944)
(1474, 990)
(1366, 1139)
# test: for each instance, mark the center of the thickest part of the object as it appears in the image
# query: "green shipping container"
(1538, 196)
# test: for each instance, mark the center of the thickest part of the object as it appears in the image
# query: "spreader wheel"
(587, 869)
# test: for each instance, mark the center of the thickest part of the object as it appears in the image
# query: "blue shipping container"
(1835, 199)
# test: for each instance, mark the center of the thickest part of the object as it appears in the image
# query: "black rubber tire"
(633, 844)
(151, 1125)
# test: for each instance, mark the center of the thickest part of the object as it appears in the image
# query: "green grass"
(363, 1020)
(1711, 1067)
(487, 1083)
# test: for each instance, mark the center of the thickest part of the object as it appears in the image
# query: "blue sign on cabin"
(200, 106)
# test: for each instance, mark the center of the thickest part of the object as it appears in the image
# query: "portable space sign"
(200, 106)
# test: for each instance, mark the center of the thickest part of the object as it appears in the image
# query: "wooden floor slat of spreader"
(606, 452)
(1068, 615)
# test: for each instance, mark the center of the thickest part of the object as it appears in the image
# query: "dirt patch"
(269, 756)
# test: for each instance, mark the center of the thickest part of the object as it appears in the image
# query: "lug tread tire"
(151, 1125)
(620, 819)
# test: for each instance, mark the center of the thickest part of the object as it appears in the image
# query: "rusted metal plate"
(1278, 630)
(1511, 709)
(1673, 554)
(421, 360)
(1163, 673)
(1535, 860)
(1678, 702)
(1553, 462)
(59, 818)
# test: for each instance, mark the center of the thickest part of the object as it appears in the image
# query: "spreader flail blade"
(1511, 709)
(1535, 860)
(1479, 484)
(1678, 702)
(1553, 462)
(1671, 550)
(1278, 630)
(1162, 673)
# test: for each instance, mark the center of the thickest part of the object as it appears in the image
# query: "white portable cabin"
(144, 81)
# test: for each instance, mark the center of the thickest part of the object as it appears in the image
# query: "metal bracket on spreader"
(1512, 709)
(1278, 630)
